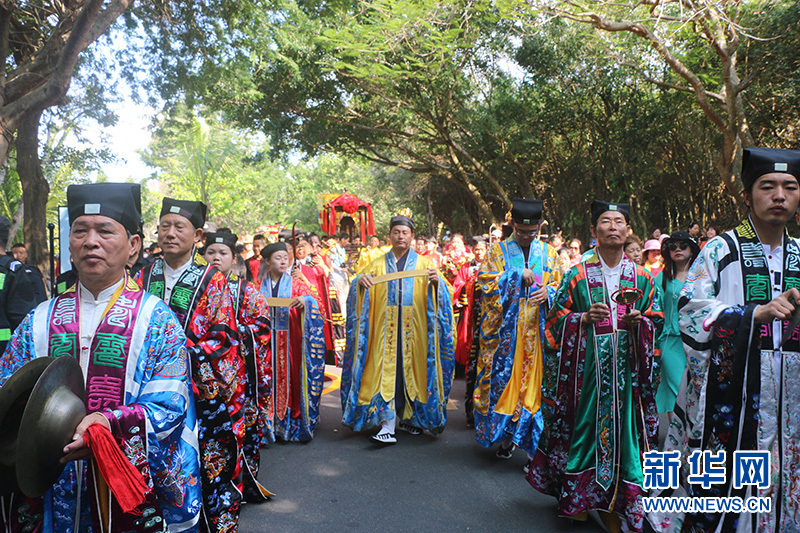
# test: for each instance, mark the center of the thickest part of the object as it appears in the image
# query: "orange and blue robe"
(507, 395)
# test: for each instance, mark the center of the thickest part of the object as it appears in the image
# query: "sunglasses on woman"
(675, 245)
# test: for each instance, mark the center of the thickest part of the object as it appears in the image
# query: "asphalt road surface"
(342, 481)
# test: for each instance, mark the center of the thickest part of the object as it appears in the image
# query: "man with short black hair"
(18, 294)
(741, 386)
(19, 252)
(399, 358)
(254, 263)
(694, 231)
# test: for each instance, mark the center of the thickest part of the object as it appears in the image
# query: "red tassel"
(124, 480)
(370, 220)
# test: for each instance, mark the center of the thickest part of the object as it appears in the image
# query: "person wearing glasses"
(600, 413)
(518, 281)
(678, 251)
(741, 386)
(575, 251)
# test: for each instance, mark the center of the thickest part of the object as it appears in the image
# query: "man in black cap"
(741, 387)
(518, 281)
(399, 360)
(199, 295)
(18, 294)
(601, 413)
(136, 259)
(133, 355)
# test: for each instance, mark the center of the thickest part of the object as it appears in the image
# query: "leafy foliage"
(454, 108)
(200, 157)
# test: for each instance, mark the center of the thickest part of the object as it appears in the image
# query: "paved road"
(341, 481)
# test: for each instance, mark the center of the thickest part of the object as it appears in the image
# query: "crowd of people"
(196, 354)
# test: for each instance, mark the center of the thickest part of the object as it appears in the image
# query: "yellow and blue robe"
(408, 320)
(510, 362)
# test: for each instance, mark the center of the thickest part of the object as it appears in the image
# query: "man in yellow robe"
(399, 360)
(373, 251)
(518, 281)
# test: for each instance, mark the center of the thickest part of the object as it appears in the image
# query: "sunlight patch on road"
(333, 381)
(327, 471)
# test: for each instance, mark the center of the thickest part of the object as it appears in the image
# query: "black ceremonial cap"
(136, 191)
(195, 212)
(759, 161)
(228, 239)
(401, 220)
(268, 250)
(526, 211)
(599, 207)
(116, 201)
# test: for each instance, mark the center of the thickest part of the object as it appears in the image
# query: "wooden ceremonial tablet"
(399, 275)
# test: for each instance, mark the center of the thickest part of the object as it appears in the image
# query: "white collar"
(610, 270)
(104, 296)
(181, 268)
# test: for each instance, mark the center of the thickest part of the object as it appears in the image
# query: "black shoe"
(505, 453)
(527, 467)
(408, 428)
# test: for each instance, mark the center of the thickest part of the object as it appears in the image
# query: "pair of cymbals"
(41, 405)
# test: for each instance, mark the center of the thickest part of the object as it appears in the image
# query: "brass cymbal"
(627, 295)
(54, 410)
(14, 396)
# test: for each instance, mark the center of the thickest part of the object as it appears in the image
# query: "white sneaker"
(385, 438)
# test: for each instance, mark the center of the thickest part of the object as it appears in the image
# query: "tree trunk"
(35, 189)
(16, 222)
(431, 222)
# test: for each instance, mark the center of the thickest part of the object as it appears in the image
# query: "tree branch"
(85, 29)
(643, 31)
(667, 85)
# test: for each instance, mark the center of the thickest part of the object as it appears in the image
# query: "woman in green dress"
(678, 251)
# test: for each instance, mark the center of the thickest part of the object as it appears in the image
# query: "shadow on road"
(343, 481)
